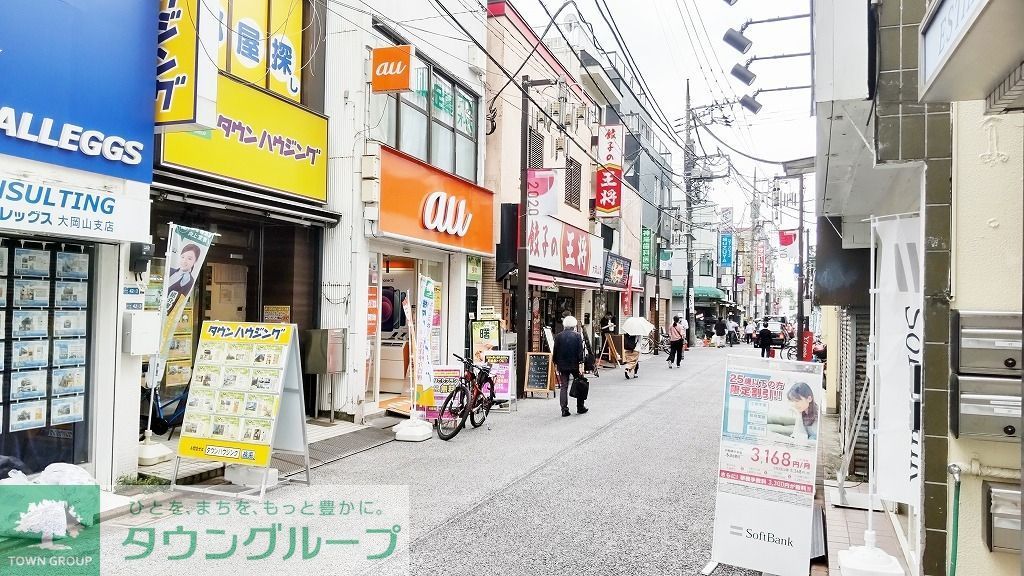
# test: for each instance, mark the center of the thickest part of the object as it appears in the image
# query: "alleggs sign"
(609, 176)
(77, 87)
(424, 205)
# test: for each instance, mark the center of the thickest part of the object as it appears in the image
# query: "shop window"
(573, 182)
(45, 305)
(465, 134)
(384, 114)
(413, 127)
(707, 267)
(535, 150)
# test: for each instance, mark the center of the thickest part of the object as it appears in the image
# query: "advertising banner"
(236, 393)
(259, 140)
(616, 271)
(285, 43)
(444, 379)
(485, 336)
(666, 260)
(627, 298)
(248, 40)
(186, 81)
(766, 465)
(725, 250)
(503, 373)
(555, 245)
(474, 269)
(544, 189)
(645, 250)
(610, 144)
(424, 350)
(186, 252)
(898, 330)
(69, 97)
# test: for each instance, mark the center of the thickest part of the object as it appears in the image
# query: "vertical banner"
(285, 58)
(645, 249)
(372, 311)
(544, 190)
(502, 373)
(435, 327)
(627, 298)
(609, 175)
(766, 465)
(898, 331)
(424, 353)
(186, 252)
(725, 250)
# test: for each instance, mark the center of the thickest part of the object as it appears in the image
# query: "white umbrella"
(637, 326)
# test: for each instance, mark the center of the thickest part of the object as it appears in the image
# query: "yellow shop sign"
(260, 140)
(186, 75)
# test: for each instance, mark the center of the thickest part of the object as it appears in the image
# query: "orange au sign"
(391, 69)
(424, 205)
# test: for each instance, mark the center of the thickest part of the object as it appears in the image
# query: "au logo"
(391, 69)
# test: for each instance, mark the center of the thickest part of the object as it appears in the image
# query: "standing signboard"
(246, 398)
(540, 375)
(766, 465)
(503, 374)
(444, 379)
(608, 203)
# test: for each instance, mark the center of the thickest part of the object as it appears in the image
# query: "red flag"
(787, 237)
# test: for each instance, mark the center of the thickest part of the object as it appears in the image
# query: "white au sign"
(766, 465)
(49, 201)
(446, 214)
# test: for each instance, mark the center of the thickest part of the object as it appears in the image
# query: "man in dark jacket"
(764, 340)
(720, 328)
(567, 356)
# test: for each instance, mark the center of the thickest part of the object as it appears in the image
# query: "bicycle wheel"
(790, 352)
(482, 403)
(645, 345)
(452, 416)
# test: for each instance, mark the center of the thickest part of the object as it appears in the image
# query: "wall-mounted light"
(737, 40)
(742, 73)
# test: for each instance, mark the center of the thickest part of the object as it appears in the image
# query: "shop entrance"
(391, 349)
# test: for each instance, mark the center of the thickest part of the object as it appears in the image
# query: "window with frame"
(707, 267)
(573, 182)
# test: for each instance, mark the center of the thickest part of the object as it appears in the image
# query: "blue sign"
(78, 84)
(725, 250)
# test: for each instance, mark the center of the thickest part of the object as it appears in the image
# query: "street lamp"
(741, 43)
(730, 2)
(750, 102)
(742, 71)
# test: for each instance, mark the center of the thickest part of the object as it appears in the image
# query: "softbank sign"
(46, 132)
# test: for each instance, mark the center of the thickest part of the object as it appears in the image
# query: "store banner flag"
(186, 252)
(424, 374)
(666, 260)
(766, 465)
(898, 331)
(502, 373)
(787, 237)
(725, 250)
(609, 174)
(544, 191)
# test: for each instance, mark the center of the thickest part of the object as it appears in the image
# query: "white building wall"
(986, 275)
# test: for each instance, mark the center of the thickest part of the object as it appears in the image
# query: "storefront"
(74, 174)
(430, 224)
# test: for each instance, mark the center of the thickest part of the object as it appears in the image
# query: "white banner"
(898, 331)
(424, 322)
(766, 465)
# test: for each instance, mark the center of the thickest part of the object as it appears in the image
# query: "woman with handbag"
(676, 338)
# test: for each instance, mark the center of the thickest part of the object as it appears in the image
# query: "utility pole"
(755, 216)
(523, 260)
(688, 163)
(800, 279)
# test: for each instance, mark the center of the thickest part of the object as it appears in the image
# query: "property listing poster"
(767, 459)
(235, 392)
(503, 373)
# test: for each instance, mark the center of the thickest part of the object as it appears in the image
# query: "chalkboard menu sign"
(538, 372)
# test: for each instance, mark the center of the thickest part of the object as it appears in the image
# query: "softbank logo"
(766, 537)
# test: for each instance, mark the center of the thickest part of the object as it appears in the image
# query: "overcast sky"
(672, 40)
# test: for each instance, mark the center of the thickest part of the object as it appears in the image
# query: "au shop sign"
(38, 199)
(78, 84)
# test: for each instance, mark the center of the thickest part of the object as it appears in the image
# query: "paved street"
(626, 489)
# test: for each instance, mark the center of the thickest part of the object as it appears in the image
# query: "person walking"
(748, 330)
(720, 329)
(734, 332)
(632, 355)
(676, 338)
(567, 357)
(764, 340)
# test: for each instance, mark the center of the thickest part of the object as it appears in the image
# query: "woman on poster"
(181, 279)
(801, 398)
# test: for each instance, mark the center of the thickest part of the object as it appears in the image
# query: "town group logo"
(49, 530)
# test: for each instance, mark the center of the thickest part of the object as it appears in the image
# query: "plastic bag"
(64, 475)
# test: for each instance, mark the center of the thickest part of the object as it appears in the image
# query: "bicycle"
(161, 424)
(790, 349)
(646, 345)
(471, 399)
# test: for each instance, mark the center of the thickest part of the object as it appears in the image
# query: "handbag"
(579, 388)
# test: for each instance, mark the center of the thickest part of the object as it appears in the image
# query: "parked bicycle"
(647, 344)
(163, 422)
(471, 399)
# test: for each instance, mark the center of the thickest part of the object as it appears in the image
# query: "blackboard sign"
(615, 344)
(538, 372)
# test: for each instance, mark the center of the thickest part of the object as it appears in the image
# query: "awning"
(542, 280)
(708, 293)
(578, 284)
(607, 288)
(637, 288)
